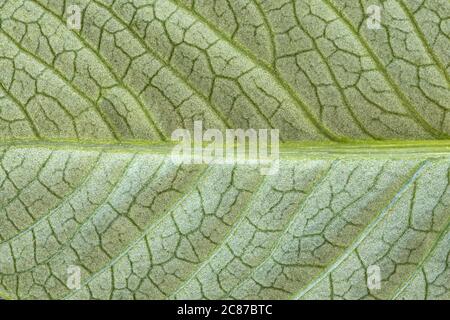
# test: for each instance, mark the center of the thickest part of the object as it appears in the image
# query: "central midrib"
(287, 150)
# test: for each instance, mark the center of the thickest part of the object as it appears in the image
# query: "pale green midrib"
(288, 150)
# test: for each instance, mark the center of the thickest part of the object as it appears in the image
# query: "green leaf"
(87, 183)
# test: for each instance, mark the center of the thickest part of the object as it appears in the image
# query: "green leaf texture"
(86, 177)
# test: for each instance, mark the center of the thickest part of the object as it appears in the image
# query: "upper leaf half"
(140, 69)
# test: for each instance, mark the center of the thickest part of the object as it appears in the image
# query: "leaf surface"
(86, 178)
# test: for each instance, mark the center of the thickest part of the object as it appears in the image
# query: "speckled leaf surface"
(86, 178)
